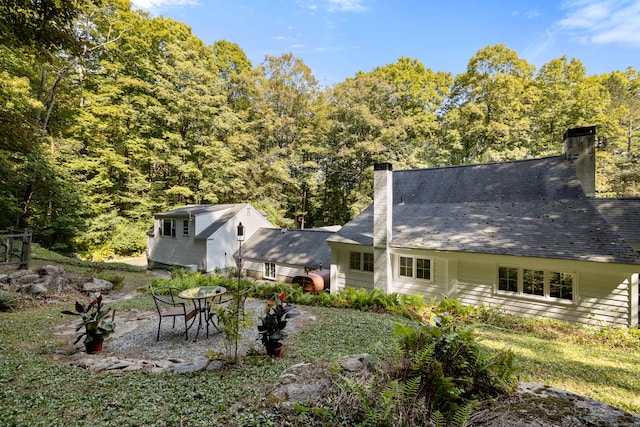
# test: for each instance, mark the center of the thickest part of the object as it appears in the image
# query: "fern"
(461, 416)
(438, 420)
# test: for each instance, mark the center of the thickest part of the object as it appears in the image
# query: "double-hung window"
(420, 268)
(355, 262)
(361, 261)
(367, 263)
(269, 270)
(169, 227)
(185, 227)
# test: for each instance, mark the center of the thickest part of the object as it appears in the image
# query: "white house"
(282, 254)
(522, 236)
(201, 237)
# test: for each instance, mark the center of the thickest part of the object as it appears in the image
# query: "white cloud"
(603, 21)
(155, 5)
(346, 6)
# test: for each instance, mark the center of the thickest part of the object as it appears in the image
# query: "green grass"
(36, 390)
(596, 371)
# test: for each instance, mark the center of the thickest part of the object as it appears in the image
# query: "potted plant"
(96, 328)
(274, 322)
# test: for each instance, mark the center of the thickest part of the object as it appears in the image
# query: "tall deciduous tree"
(494, 100)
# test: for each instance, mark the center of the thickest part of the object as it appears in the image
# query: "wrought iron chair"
(170, 305)
(222, 301)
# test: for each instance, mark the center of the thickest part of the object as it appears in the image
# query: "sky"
(338, 38)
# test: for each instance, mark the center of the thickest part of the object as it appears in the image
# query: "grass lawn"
(34, 390)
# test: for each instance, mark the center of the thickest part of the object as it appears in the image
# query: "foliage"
(8, 301)
(451, 368)
(274, 321)
(182, 279)
(110, 114)
(96, 328)
(233, 318)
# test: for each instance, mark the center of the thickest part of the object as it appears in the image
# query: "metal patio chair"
(170, 305)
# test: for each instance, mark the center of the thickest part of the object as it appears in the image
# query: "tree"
(493, 102)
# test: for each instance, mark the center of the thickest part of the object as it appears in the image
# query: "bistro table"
(201, 296)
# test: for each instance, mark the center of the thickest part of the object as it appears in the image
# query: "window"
(547, 284)
(533, 282)
(169, 227)
(406, 266)
(367, 265)
(508, 279)
(185, 227)
(354, 260)
(420, 268)
(269, 270)
(561, 285)
(423, 268)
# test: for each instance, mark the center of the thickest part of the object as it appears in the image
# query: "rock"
(26, 279)
(57, 284)
(38, 288)
(51, 270)
(303, 382)
(97, 285)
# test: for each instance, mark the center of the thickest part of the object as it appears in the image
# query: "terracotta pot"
(274, 349)
(94, 346)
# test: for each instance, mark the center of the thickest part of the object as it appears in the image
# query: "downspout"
(382, 226)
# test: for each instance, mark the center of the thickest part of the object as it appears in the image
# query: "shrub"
(8, 301)
(448, 369)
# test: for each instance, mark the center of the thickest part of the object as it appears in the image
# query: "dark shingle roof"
(306, 248)
(532, 208)
(623, 214)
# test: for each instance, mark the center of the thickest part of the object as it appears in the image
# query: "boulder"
(51, 270)
(97, 285)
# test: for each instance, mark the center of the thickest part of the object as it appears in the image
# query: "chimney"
(579, 146)
(382, 220)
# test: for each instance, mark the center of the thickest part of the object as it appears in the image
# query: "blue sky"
(337, 38)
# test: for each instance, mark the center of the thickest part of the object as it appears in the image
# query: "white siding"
(603, 293)
(223, 244)
(180, 250)
(284, 272)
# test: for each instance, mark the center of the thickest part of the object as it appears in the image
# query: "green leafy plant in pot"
(96, 327)
(272, 326)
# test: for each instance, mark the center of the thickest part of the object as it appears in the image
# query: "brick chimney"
(382, 225)
(579, 146)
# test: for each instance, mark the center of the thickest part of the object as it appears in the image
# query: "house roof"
(533, 208)
(232, 210)
(194, 210)
(623, 214)
(306, 248)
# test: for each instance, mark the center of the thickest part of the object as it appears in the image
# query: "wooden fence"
(15, 247)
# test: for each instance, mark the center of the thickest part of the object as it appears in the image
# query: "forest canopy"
(108, 115)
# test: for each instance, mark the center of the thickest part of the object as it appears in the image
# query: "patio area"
(133, 345)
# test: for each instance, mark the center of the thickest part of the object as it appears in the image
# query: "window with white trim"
(169, 227)
(269, 270)
(355, 260)
(367, 263)
(185, 227)
(361, 261)
(538, 283)
(420, 268)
